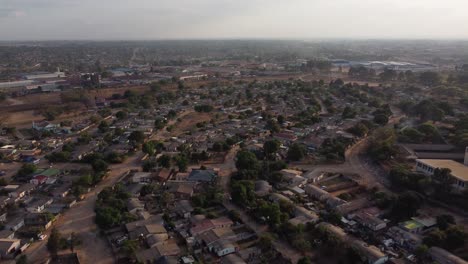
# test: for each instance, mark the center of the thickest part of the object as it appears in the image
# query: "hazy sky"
(197, 19)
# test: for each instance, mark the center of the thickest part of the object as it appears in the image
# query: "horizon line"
(236, 39)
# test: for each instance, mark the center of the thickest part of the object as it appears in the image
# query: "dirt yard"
(189, 121)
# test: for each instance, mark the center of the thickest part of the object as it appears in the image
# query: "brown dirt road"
(80, 219)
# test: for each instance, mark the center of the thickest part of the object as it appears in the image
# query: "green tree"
(73, 241)
(149, 148)
(27, 169)
(348, 113)
(304, 260)
(406, 206)
(121, 115)
(53, 244)
(444, 221)
(430, 78)
(137, 136)
(23, 259)
(421, 252)
(99, 166)
(181, 162)
(435, 238)
(271, 147)
(129, 247)
(359, 130)
(381, 119)
(103, 126)
(296, 152)
(455, 237)
(246, 160)
(272, 125)
(164, 161)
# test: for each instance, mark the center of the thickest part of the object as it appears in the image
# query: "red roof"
(203, 226)
(40, 178)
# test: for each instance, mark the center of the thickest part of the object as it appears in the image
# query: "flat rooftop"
(459, 170)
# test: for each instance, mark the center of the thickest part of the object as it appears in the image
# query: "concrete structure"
(459, 172)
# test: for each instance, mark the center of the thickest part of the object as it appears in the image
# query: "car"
(42, 237)
(2, 173)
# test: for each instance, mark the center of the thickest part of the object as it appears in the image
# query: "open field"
(189, 121)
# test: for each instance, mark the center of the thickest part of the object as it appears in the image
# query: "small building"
(418, 225)
(206, 176)
(184, 209)
(222, 222)
(371, 254)
(223, 248)
(459, 172)
(168, 249)
(41, 220)
(142, 177)
(163, 175)
(39, 205)
(7, 234)
(134, 205)
(262, 188)
(15, 224)
(38, 179)
(369, 221)
(403, 238)
(45, 126)
(8, 247)
(22, 190)
(182, 190)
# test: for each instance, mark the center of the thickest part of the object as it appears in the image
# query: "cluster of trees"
(166, 161)
(460, 138)
(204, 108)
(243, 193)
(296, 152)
(57, 242)
(403, 177)
(247, 164)
(399, 207)
(362, 73)
(211, 197)
(297, 236)
(272, 125)
(308, 117)
(60, 156)
(424, 133)
(450, 238)
(382, 144)
(111, 207)
(427, 110)
(160, 123)
(348, 113)
(428, 78)
(333, 149)
(382, 115)
(226, 145)
(26, 170)
(152, 147)
(274, 214)
(360, 129)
